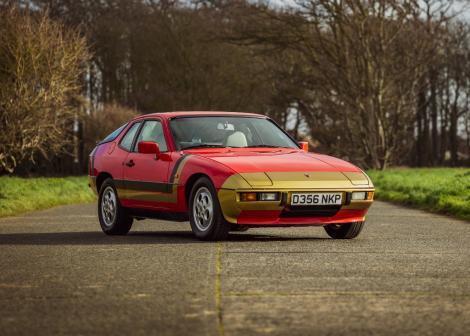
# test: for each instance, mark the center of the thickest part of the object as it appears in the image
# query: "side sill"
(169, 216)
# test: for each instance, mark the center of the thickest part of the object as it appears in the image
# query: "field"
(19, 195)
(443, 190)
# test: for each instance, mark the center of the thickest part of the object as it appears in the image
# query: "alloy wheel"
(108, 206)
(203, 209)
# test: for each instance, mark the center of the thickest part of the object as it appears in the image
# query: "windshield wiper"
(203, 146)
(266, 146)
(221, 146)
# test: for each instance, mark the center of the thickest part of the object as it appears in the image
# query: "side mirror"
(148, 147)
(304, 145)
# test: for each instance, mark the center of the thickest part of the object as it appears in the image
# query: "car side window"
(128, 138)
(152, 131)
(113, 135)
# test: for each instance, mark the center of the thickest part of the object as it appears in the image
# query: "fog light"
(248, 197)
(359, 196)
(268, 196)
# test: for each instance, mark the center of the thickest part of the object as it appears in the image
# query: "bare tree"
(40, 68)
(378, 82)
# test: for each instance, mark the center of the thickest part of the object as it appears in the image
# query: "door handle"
(130, 163)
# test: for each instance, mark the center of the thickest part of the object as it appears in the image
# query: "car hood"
(292, 169)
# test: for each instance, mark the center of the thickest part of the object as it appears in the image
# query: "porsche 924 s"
(223, 171)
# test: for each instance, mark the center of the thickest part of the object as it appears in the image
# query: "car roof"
(175, 114)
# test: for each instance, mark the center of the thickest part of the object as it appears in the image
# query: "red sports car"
(223, 171)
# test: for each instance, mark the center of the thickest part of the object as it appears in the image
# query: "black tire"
(215, 227)
(344, 231)
(121, 222)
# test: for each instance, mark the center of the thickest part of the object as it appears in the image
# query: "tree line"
(377, 82)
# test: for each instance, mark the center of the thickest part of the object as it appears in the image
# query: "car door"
(146, 175)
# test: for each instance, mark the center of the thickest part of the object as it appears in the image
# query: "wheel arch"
(100, 179)
(195, 168)
(190, 183)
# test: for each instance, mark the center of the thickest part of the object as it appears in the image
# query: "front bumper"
(280, 213)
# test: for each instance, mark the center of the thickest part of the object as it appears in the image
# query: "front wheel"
(205, 215)
(114, 219)
(344, 231)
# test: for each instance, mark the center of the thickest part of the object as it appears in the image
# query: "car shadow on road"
(138, 237)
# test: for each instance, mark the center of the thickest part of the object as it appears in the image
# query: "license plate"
(316, 199)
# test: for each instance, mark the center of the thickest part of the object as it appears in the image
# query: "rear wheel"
(114, 219)
(344, 231)
(205, 215)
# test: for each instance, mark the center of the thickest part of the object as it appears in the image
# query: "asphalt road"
(407, 273)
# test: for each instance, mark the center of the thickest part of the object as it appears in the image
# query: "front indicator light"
(359, 196)
(248, 197)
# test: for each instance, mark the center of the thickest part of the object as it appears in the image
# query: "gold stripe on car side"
(150, 196)
(169, 195)
(178, 168)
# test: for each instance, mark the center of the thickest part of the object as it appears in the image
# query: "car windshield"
(228, 131)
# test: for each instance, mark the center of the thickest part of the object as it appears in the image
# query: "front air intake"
(310, 211)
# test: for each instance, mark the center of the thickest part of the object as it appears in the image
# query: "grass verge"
(19, 195)
(443, 190)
